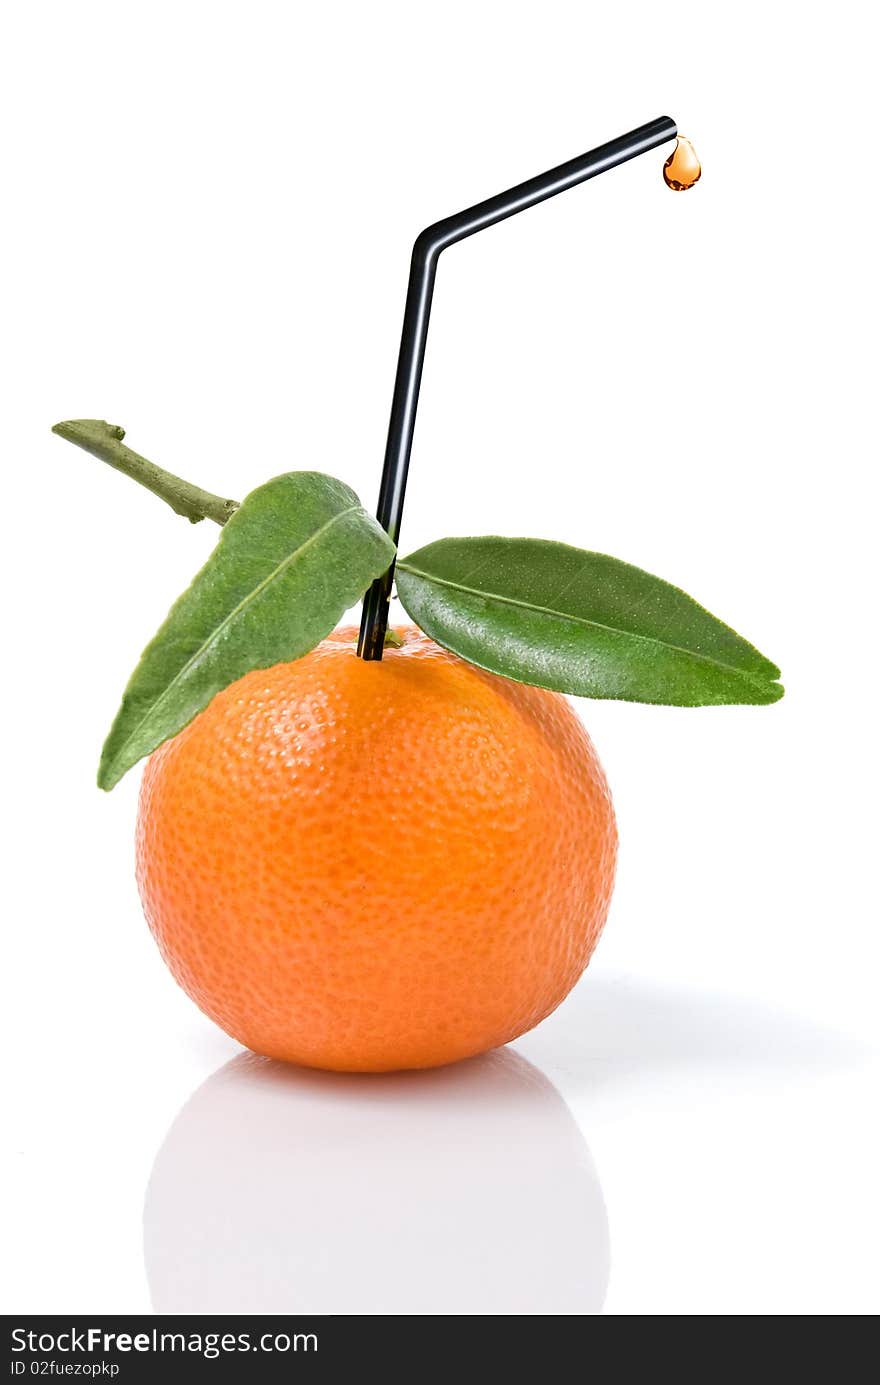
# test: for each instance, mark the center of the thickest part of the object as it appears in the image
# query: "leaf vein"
(581, 620)
(206, 644)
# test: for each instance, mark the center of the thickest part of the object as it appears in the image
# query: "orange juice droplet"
(682, 169)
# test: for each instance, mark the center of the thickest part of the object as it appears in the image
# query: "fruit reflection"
(466, 1190)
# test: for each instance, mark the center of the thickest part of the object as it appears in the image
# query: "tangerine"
(367, 866)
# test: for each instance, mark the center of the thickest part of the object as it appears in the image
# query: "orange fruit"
(368, 866)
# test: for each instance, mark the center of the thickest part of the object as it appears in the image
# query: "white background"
(207, 220)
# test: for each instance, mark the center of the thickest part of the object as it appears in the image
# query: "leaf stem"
(104, 440)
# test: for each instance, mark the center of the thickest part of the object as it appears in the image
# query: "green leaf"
(578, 622)
(298, 552)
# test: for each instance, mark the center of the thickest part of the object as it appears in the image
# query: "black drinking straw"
(417, 313)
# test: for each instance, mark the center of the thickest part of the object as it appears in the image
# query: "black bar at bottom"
(147, 1348)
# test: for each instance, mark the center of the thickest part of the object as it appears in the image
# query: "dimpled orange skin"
(369, 866)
